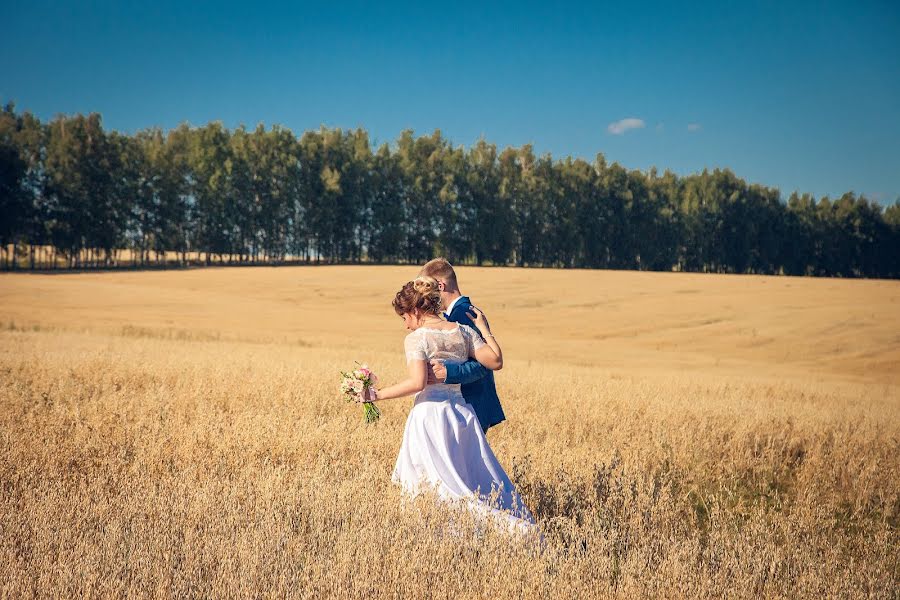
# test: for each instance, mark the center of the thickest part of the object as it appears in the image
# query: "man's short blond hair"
(441, 269)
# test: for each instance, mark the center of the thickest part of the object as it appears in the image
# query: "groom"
(477, 382)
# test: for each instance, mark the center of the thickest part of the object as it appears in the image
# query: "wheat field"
(179, 434)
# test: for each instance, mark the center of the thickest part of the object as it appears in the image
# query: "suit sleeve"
(467, 372)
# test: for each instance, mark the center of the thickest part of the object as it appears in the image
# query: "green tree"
(385, 211)
(15, 205)
(87, 210)
(421, 162)
(491, 216)
(211, 167)
(890, 247)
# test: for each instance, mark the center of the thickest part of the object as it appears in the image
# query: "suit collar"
(460, 301)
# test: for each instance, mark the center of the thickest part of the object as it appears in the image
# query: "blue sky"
(799, 95)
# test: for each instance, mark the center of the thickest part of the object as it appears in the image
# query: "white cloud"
(620, 127)
(694, 127)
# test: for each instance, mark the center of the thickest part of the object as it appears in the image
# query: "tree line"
(212, 195)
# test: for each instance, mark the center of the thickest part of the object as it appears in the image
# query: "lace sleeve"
(415, 348)
(473, 339)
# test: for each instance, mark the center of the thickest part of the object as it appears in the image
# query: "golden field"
(179, 434)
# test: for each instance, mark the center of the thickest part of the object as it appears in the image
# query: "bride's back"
(450, 345)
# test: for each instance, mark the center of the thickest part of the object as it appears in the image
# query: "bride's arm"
(490, 355)
(418, 377)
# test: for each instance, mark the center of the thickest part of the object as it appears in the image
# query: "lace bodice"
(449, 345)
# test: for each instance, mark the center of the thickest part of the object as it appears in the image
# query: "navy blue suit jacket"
(477, 382)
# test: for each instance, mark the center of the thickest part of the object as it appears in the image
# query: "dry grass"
(179, 434)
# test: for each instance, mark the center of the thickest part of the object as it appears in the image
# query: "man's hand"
(437, 372)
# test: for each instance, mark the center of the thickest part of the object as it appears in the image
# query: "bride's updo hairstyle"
(421, 294)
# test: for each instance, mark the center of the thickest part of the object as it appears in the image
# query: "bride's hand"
(480, 320)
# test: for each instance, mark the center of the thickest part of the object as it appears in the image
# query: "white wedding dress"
(444, 448)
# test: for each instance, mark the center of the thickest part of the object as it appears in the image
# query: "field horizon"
(179, 433)
(850, 330)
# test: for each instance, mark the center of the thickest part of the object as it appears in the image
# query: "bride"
(444, 447)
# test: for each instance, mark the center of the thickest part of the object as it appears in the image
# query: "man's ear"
(441, 285)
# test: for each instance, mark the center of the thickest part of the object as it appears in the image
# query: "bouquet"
(356, 385)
